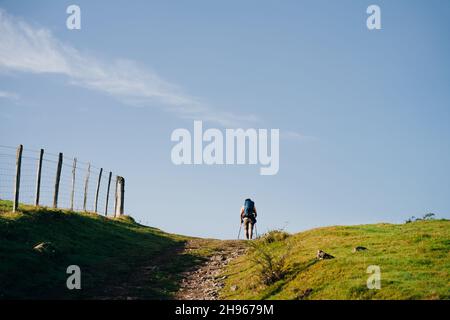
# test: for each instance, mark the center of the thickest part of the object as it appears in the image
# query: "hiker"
(248, 217)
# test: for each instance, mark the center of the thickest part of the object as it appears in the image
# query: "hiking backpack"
(249, 208)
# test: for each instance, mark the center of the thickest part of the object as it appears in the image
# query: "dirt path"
(205, 281)
(200, 262)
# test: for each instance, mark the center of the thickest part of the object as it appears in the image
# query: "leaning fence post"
(17, 180)
(86, 184)
(57, 179)
(107, 193)
(120, 195)
(38, 178)
(72, 193)
(98, 189)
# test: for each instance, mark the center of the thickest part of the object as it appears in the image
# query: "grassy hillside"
(122, 259)
(106, 250)
(414, 259)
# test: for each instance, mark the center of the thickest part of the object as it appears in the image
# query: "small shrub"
(428, 216)
(275, 236)
(271, 268)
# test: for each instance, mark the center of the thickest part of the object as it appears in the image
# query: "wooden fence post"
(86, 185)
(115, 196)
(120, 196)
(107, 193)
(72, 194)
(17, 180)
(57, 180)
(98, 189)
(38, 178)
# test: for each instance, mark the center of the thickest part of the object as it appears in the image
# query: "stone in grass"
(46, 248)
(321, 255)
(356, 249)
(234, 288)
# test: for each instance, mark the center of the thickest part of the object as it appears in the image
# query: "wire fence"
(36, 177)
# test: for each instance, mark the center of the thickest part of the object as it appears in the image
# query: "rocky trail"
(205, 281)
(202, 281)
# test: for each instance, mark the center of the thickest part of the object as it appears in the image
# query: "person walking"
(248, 217)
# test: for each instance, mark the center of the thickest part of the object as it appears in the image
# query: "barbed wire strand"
(28, 177)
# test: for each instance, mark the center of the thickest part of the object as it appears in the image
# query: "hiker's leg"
(246, 226)
(250, 226)
(246, 231)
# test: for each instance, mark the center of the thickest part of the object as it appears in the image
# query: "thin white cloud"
(293, 135)
(26, 48)
(9, 95)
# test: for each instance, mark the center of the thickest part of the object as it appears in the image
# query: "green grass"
(414, 259)
(106, 250)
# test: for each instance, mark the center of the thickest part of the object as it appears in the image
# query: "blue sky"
(363, 115)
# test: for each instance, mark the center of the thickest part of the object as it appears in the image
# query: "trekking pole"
(256, 231)
(240, 226)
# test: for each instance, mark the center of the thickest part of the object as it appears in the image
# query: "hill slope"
(119, 259)
(414, 260)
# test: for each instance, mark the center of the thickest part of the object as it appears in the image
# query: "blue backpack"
(249, 208)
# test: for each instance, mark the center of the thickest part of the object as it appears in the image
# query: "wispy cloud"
(8, 95)
(293, 135)
(31, 49)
